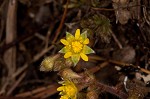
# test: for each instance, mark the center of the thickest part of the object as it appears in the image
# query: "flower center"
(77, 46)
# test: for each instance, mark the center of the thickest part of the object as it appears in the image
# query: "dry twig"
(61, 23)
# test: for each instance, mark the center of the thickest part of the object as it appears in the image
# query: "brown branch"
(40, 92)
(103, 87)
(16, 84)
(45, 92)
(116, 40)
(61, 23)
(119, 63)
(11, 97)
(50, 91)
(22, 69)
(105, 9)
(35, 58)
(10, 54)
(16, 41)
(112, 90)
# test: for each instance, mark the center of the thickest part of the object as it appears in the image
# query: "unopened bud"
(48, 63)
(62, 63)
(69, 74)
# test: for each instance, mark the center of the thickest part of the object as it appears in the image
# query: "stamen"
(77, 46)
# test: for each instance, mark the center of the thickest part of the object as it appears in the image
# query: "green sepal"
(63, 50)
(75, 59)
(83, 36)
(87, 50)
(69, 37)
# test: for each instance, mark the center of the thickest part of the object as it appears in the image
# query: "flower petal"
(64, 50)
(77, 34)
(84, 57)
(60, 88)
(86, 41)
(87, 50)
(75, 58)
(65, 42)
(69, 37)
(67, 55)
(64, 97)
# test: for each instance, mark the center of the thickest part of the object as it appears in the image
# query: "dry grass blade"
(10, 54)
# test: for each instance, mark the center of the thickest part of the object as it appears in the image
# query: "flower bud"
(59, 64)
(62, 63)
(69, 74)
(48, 63)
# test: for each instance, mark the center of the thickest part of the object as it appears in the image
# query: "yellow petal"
(60, 88)
(64, 97)
(65, 42)
(84, 57)
(77, 34)
(67, 55)
(86, 41)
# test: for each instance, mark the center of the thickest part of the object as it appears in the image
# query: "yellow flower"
(76, 47)
(68, 90)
